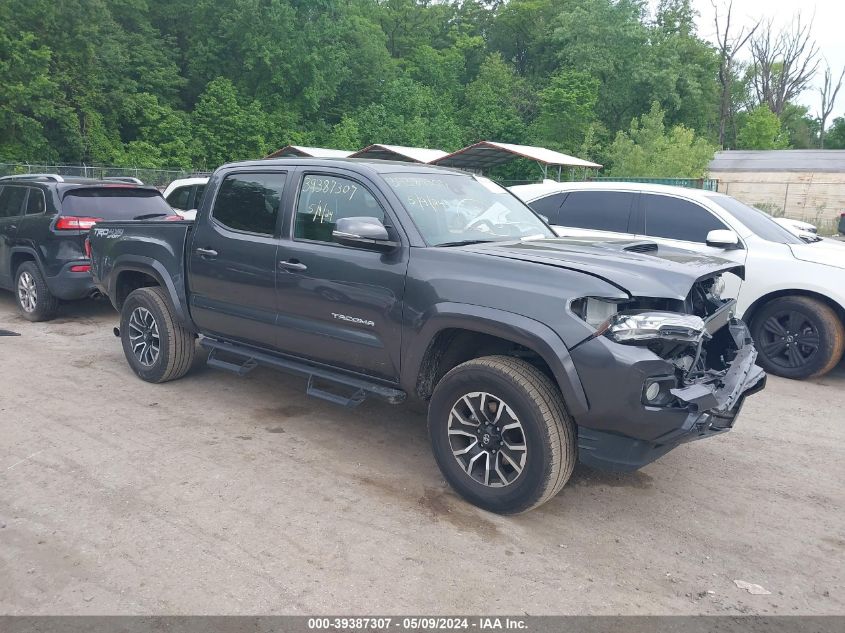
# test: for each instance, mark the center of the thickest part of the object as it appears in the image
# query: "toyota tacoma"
(392, 280)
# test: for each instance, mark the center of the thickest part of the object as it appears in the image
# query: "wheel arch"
(130, 274)
(758, 303)
(21, 254)
(456, 333)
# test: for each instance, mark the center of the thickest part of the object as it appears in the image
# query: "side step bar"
(252, 358)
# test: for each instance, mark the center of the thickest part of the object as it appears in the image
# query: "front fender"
(519, 329)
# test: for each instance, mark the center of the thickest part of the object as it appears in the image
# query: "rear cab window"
(250, 202)
(115, 203)
(597, 210)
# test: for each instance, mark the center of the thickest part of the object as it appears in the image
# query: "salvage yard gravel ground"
(223, 495)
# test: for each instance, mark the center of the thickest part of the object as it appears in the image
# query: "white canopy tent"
(486, 154)
(309, 152)
(401, 153)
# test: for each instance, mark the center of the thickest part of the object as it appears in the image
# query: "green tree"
(608, 40)
(522, 34)
(225, 128)
(494, 103)
(649, 150)
(761, 129)
(198, 82)
(25, 97)
(835, 137)
(683, 68)
(157, 130)
(801, 129)
(567, 109)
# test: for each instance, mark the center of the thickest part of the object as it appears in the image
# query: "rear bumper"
(704, 409)
(68, 285)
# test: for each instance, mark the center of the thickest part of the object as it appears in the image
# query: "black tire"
(798, 337)
(34, 299)
(547, 431)
(153, 318)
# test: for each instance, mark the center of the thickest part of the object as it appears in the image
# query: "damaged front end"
(689, 364)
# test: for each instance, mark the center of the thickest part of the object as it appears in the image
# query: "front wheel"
(501, 435)
(798, 337)
(157, 348)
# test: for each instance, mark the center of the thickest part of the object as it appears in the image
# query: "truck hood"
(652, 272)
(826, 252)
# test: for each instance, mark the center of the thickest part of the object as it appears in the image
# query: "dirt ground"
(224, 495)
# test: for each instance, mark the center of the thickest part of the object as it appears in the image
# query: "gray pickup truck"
(392, 280)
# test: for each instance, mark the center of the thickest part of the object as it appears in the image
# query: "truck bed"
(149, 243)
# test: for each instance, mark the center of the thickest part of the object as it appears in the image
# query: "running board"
(251, 358)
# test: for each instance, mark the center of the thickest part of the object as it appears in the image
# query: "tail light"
(67, 223)
(81, 268)
(88, 248)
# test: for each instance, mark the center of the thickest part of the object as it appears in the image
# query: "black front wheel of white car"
(501, 435)
(156, 346)
(798, 337)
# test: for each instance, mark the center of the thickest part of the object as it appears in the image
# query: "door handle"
(294, 265)
(206, 252)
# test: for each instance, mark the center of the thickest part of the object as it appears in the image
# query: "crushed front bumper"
(642, 434)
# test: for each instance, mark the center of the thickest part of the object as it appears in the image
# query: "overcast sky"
(828, 30)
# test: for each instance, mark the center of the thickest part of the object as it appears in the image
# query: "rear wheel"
(35, 301)
(157, 348)
(500, 434)
(798, 337)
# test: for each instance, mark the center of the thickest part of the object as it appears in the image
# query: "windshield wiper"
(150, 216)
(466, 242)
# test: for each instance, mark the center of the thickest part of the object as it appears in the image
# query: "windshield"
(114, 203)
(758, 222)
(450, 209)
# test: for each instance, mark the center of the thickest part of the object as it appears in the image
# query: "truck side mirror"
(363, 232)
(722, 238)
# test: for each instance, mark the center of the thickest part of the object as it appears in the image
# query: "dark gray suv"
(44, 221)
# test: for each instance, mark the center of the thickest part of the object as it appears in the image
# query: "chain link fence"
(707, 184)
(157, 177)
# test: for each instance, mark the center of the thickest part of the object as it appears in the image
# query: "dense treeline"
(191, 83)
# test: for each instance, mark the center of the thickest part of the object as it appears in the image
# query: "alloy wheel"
(27, 292)
(790, 339)
(487, 439)
(144, 337)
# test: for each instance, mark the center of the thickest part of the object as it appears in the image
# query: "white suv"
(793, 295)
(184, 196)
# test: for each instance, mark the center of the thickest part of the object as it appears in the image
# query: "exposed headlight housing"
(595, 311)
(647, 326)
(718, 286)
